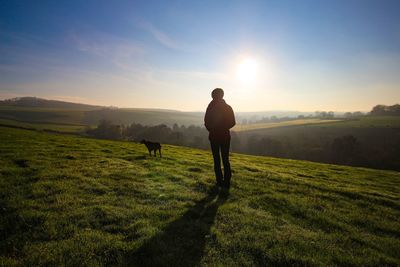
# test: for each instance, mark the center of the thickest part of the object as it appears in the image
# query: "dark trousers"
(221, 150)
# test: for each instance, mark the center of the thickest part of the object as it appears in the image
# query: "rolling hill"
(69, 200)
(35, 102)
(44, 111)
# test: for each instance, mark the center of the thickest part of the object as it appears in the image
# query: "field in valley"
(269, 125)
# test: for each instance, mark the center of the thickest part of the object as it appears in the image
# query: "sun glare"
(247, 70)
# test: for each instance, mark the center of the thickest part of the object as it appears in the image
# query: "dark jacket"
(218, 120)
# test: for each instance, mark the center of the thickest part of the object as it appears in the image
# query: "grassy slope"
(68, 200)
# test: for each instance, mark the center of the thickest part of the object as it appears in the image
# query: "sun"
(247, 70)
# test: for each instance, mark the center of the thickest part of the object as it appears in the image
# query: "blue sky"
(310, 55)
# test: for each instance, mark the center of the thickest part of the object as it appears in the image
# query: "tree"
(106, 130)
(380, 110)
(348, 115)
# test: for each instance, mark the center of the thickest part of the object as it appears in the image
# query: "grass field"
(362, 122)
(42, 115)
(367, 122)
(64, 128)
(268, 125)
(125, 116)
(72, 201)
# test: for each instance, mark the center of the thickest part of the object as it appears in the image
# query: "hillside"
(38, 110)
(35, 102)
(92, 117)
(69, 200)
(43, 111)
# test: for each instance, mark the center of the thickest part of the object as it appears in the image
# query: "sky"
(266, 55)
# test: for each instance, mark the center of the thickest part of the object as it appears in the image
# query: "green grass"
(72, 201)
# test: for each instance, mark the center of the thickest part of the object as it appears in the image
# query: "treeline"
(193, 136)
(350, 115)
(267, 119)
(382, 110)
(378, 110)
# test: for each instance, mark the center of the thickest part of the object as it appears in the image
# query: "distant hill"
(35, 102)
(38, 110)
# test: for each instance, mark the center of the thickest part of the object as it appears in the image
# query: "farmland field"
(64, 128)
(69, 200)
(92, 117)
(368, 122)
(268, 125)
(361, 122)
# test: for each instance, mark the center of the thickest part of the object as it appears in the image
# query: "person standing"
(219, 118)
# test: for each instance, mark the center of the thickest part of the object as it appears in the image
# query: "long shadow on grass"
(182, 242)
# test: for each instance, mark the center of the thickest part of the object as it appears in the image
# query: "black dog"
(152, 147)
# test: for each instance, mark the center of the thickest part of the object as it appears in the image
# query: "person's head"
(217, 93)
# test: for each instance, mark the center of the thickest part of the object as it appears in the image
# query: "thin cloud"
(122, 53)
(107, 46)
(160, 36)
